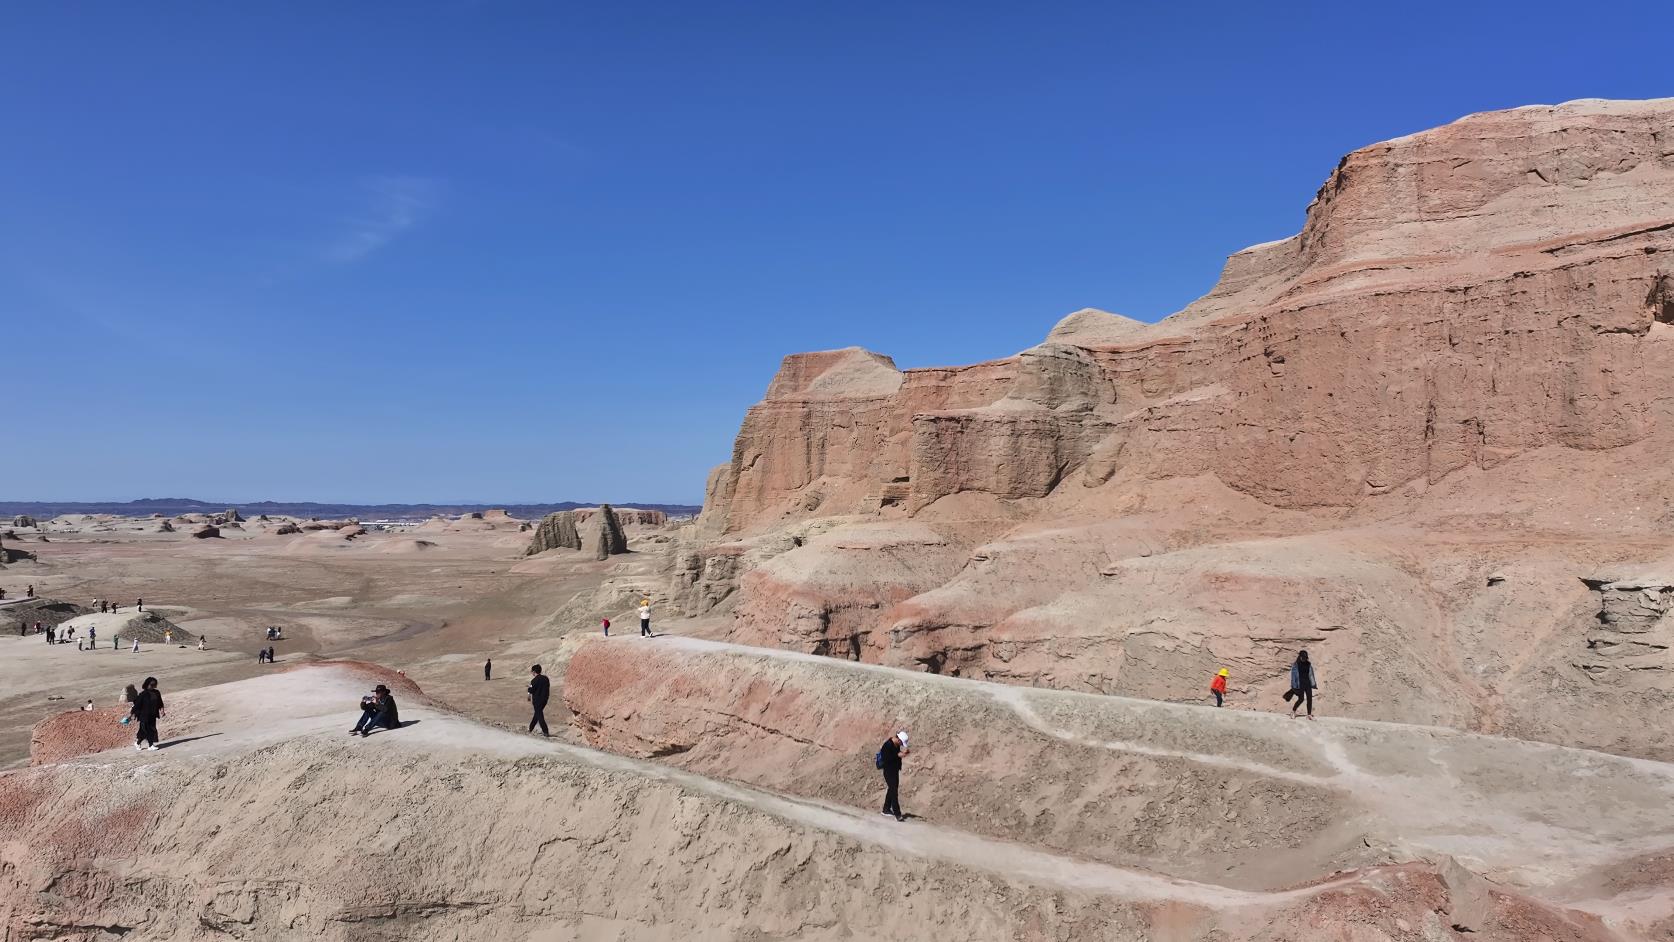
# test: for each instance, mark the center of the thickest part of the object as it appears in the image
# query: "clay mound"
(148, 627)
(78, 733)
(286, 529)
(206, 532)
(45, 611)
(651, 852)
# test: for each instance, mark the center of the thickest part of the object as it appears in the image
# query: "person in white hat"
(889, 760)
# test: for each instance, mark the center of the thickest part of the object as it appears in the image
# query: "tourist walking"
(645, 618)
(136, 644)
(139, 604)
(52, 634)
(488, 669)
(147, 708)
(889, 760)
(92, 636)
(1218, 687)
(1302, 684)
(31, 590)
(540, 688)
(606, 623)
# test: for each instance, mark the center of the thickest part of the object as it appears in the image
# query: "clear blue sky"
(544, 251)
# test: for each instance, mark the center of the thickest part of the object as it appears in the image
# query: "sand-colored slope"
(1229, 796)
(446, 829)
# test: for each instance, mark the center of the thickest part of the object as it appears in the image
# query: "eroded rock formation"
(1333, 449)
(556, 531)
(608, 539)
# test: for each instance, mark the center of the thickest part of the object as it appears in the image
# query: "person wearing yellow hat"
(1218, 687)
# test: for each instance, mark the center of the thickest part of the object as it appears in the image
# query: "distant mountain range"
(174, 506)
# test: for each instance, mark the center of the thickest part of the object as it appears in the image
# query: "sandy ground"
(436, 612)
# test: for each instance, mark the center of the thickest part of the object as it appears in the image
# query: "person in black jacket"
(540, 689)
(889, 759)
(1303, 681)
(148, 706)
(386, 715)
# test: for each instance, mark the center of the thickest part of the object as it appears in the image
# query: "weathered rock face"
(608, 539)
(1474, 328)
(206, 532)
(626, 516)
(163, 526)
(23, 520)
(556, 531)
(233, 516)
(1396, 339)
(286, 529)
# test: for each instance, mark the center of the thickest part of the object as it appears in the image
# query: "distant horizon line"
(490, 505)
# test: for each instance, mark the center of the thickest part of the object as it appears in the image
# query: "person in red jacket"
(1218, 687)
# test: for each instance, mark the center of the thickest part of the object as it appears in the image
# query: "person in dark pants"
(540, 688)
(645, 618)
(488, 669)
(889, 759)
(148, 706)
(368, 710)
(387, 716)
(1302, 684)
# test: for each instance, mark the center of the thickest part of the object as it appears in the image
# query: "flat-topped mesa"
(555, 531)
(1456, 297)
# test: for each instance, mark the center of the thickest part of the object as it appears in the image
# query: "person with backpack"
(1218, 687)
(889, 760)
(540, 690)
(606, 622)
(1302, 684)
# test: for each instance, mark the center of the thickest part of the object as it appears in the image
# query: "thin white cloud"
(390, 206)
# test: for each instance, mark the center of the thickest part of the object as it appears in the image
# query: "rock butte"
(1456, 370)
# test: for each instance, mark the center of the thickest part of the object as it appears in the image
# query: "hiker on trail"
(72, 635)
(116, 643)
(645, 618)
(1302, 684)
(168, 636)
(103, 607)
(92, 636)
(203, 642)
(889, 760)
(31, 590)
(261, 655)
(52, 633)
(386, 715)
(488, 669)
(136, 644)
(115, 607)
(270, 654)
(139, 604)
(148, 706)
(540, 688)
(1218, 687)
(606, 623)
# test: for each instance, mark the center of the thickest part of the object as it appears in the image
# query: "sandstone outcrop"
(286, 529)
(556, 531)
(207, 531)
(163, 526)
(626, 516)
(23, 520)
(1333, 449)
(608, 539)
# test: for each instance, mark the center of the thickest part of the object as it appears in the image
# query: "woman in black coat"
(148, 706)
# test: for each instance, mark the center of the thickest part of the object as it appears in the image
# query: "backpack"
(607, 624)
(878, 759)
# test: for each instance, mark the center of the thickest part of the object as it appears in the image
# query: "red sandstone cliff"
(1467, 340)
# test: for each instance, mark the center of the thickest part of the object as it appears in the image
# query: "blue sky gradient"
(546, 251)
